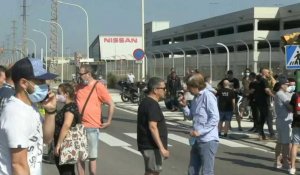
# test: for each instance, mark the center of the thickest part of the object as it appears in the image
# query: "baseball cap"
(283, 80)
(30, 68)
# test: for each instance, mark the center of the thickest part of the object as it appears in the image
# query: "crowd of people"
(268, 98)
(25, 87)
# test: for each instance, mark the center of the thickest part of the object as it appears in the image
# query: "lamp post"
(46, 45)
(163, 67)
(154, 67)
(210, 61)
(144, 71)
(247, 51)
(172, 56)
(62, 47)
(87, 25)
(228, 62)
(183, 59)
(270, 51)
(34, 44)
(197, 61)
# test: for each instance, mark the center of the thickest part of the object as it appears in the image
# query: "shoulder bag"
(75, 147)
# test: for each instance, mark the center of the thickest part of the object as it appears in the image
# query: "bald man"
(226, 105)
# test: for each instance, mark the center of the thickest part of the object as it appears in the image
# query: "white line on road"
(232, 144)
(134, 135)
(179, 139)
(112, 141)
(132, 150)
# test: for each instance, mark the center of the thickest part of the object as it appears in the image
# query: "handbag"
(75, 146)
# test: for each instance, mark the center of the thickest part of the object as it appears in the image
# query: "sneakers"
(292, 171)
(278, 165)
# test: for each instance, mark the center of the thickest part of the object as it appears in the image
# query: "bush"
(111, 80)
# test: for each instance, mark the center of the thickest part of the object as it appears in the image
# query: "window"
(245, 28)
(207, 34)
(166, 41)
(291, 24)
(193, 36)
(244, 48)
(225, 31)
(156, 43)
(178, 39)
(223, 50)
(272, 25)
(206, 51)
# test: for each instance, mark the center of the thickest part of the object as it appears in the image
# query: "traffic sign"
(292, 55)
(138, 54)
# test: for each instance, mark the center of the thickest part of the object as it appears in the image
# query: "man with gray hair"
(152, 133)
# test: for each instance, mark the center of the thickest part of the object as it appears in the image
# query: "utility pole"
(24, 34)
(53, 35)
(14, 28)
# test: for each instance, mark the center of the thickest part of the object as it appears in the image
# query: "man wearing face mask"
(22, 129)
(91, 117)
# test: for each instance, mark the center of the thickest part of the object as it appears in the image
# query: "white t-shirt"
(21, 127)
(130, 78)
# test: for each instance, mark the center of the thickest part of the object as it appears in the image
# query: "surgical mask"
(291, 89)
(39, 94)
(61, 98)
(85, 82)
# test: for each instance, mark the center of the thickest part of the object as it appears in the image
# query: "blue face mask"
(39, 94)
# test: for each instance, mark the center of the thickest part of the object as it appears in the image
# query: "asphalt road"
(119, 156)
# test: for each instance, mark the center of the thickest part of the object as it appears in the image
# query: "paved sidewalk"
(177, 117)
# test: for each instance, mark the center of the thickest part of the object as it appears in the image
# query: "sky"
(111, 17)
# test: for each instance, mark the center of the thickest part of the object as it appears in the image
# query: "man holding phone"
(22, 129)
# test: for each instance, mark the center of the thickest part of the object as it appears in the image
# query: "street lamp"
(247, 51)
(163, 67)
(144, 71)
(221, 44)
(46, 46)
(210, 61)
(33, 42)
(172, 54)
(87, 25)
(62, 47)
(183, 59)
(197, 61)
(270, 51)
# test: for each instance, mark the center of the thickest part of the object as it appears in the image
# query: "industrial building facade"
(191, 46)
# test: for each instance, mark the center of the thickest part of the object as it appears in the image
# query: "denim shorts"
(153, 160)
(93, 142)
(226, 116)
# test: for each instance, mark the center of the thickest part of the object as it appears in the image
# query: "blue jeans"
(202, 157)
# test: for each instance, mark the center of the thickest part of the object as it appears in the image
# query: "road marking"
(179, 139)
(132, 150)
(134, 136)
(232, 144)
(112, 141)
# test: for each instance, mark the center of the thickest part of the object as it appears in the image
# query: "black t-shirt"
(225, 99)
(261, 96)
(296, 118)
(253, 85)
(149, 110)
(60, 118)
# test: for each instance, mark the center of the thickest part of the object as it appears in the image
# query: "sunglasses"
(83, 73)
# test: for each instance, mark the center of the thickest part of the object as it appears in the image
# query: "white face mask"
(291, 89)
(61, 98)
